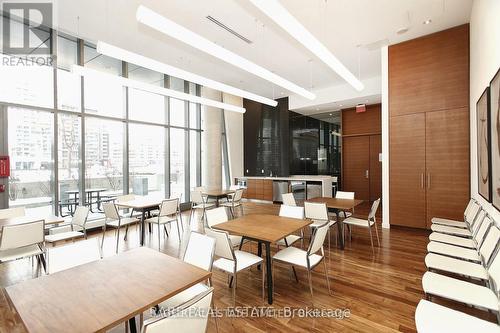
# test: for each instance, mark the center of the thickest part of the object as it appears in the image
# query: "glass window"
(69, 136)
(146, 106)
(104, 155)
(68, 84)
(177, 158)
(193, 108)
(145, 75)
(103, 96)
(193, 158)
(177, 107)
(30, 134)
(147, 160)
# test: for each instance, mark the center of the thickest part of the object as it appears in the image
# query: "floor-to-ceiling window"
(116, 138)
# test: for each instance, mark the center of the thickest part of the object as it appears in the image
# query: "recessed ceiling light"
(281, 16)
(341, 105)
(162, 24)
(402, 31)
(317, 109)
(282, 93)
(428, 21)
(331, 114)
(137, 59)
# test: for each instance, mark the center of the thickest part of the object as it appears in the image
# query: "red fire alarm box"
(360, 108)
(4, 166)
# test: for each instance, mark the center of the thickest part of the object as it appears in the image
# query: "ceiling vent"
(228, 29)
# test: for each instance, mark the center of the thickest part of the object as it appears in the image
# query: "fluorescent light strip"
(134, 58)
(156, 21)
(285, 20)
(83, 71)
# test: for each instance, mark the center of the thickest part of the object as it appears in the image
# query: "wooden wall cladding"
(369, 122)
(430, 73)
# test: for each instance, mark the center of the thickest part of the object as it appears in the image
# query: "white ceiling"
(342, 25)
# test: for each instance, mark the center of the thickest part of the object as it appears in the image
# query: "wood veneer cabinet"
(260, 189)
(429, 128)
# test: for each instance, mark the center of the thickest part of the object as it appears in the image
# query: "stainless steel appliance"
(279, 187)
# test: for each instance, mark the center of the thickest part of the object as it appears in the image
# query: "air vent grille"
(228, 29)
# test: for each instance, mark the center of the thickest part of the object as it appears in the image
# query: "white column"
(211, 162)
(385, 136)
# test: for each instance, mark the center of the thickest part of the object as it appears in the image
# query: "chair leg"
(191, 215)
(371, 239)
(159, 237)
(117, 238)
(165, 229)
(309, 277)
(376, 232)
(178, 231)
(126, 232)
(326, 275)
(234, 288)
(263, 277)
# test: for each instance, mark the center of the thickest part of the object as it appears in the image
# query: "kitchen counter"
(295, 177)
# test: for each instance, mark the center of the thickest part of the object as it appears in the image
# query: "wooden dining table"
(263, 229)
(217, 194)
(338, 205)
(100, 295)
(143, 205)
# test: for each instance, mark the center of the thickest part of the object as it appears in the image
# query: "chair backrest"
(216, 216)
(494, 272)
(181, 319)
(197, 197)
(344, 195)
(110, 211)
(478, 221)
(288, 199)
(373, 210)
(472, 213)
(176, 195)
(317, 239)
(490, 243)
(238, 194)
(223, 246)
(8, 213)
(80, 216)
(19, 235)
(125, 197)
(469, 205)
(291, 211)
(168, 207)
(234, 187)
(481, 231)
(316, 211)
(74, 254)
(200, 251)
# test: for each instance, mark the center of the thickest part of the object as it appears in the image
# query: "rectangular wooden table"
(100, 295)
(143, 205)
(263, 228)
(217, 194)
(338, 205)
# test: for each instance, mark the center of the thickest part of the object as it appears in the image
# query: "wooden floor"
(379, 291)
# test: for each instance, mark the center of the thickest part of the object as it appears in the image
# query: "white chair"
(368, 223)
(168, 214)
(219, 215)
(296, 213)
(469, 213)
(199, 202)
(181, 319)
(232, 188)
(288, 199)
(318, 213)
(178, 196)
(127, 211)
(114, 220)
(463, 229)
(479, 229)
(345, 195)
(21, 241)
(79, 221)
(461, 291)
(307, 259)
(200, 253)
(233, 261)
(8, 213)
(234, 202)
(75, 254)
(433, 318)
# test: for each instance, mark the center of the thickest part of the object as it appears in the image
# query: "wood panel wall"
(364, 123)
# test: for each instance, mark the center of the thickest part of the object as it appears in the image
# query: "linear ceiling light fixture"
(160, 23)
(134, 58)
(276, 12)
(88, 72)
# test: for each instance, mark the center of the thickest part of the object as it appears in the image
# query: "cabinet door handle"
(429, 181)
(367, 174)
(422, 180)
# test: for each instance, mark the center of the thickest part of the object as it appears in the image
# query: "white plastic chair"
(368, 223)
(219, 215)
(178, 196)
(114, 220)
(199, 202)
(181, 319)
(8, 213)
(288, 199)
(21, 241)
(463, 229)
(470, 210)
(318, 213)
(75, 254)
(234, 201)
(79, 221)
(296, 213)
(345, 195)
(307, 259)
(168, 213)
(233, 261)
